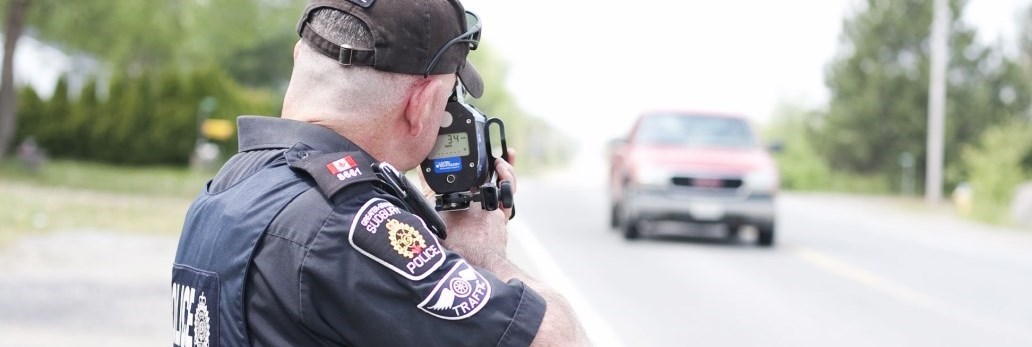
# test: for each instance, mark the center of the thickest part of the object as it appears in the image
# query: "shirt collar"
(257, 132)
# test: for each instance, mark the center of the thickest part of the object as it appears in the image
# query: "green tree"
(249, 39)
(145, 119)
(1026, 43)
(1026, 30)
(54, 129)
(800, 166)
(879, 89)
(144, 35)
(161, 57)
(81, 122)
(31, 109)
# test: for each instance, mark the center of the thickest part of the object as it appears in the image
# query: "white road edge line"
(594, 326)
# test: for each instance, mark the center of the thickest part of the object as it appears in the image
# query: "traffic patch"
(459, 295)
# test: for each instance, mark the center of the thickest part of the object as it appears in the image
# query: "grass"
(68, 195)
(156, 181)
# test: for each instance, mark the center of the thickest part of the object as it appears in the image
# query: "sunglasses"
(471, 37)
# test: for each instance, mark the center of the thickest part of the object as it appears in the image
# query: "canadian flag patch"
(344, 168)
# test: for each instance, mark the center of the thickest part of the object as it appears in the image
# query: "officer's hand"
(428, 193)
(480, 236)
(506, 173)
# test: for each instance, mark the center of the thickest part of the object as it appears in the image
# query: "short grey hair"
(319, 85)
(341, 28)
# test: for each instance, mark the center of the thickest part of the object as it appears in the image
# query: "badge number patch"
(459, 295)
(396, 239)
(344, 168)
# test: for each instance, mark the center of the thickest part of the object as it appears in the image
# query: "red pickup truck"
(693, 167)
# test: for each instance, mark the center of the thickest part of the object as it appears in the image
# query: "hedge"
(148, 118)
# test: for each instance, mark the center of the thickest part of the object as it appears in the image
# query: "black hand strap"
(404, 190)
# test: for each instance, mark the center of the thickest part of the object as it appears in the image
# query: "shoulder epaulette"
(332, 172)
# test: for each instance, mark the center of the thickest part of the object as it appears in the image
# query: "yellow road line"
(904, 293)
(864, 277)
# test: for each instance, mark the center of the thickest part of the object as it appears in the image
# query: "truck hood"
(702, 159)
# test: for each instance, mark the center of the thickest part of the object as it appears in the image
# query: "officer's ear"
(297, 49)
(424, 102)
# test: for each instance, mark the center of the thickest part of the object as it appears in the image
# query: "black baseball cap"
(415, 37)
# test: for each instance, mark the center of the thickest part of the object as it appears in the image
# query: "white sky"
(591, 67)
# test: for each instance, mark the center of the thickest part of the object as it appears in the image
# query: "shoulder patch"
(396, 239)
(459, 295)
(334, 171)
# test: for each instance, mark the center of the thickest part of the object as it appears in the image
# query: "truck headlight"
(652, 176)
(762, 180)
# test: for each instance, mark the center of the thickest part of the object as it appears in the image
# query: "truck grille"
(707, 183)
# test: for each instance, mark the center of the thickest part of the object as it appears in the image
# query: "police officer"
(297, 241)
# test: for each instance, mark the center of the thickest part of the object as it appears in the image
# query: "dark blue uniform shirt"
(345, 263)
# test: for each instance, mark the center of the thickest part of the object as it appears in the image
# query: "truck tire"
(631, 230)
(614, 215)
(766, 235)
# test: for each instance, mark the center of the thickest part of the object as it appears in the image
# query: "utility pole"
(937, 101)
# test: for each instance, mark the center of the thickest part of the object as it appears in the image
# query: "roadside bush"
(150, 118)
(995, 166)
(802, 166)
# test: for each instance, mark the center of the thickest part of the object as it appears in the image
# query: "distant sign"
(217, 129)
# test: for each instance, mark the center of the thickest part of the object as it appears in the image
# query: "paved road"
(86, 288)
(845, 272)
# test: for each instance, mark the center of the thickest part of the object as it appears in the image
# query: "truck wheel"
(614, 215)
(766, 235)
(630, 230)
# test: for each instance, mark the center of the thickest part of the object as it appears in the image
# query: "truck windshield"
(694, 131)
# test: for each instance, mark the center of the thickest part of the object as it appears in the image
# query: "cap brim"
(470, 79)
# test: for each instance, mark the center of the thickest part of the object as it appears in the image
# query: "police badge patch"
(459, 295)
(395, 238)
(202, 323)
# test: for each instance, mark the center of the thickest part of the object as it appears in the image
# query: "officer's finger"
(510, 156)
(506, 172)
(428, 193)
